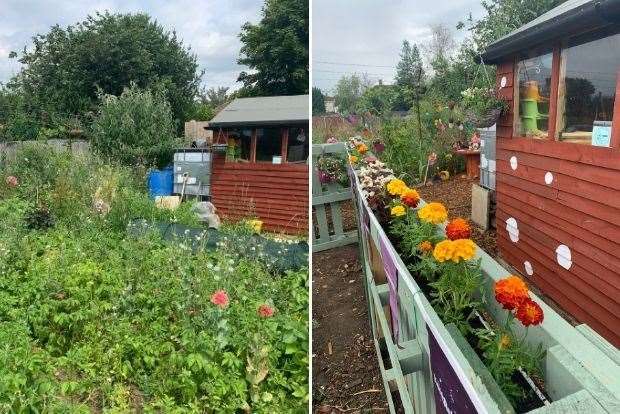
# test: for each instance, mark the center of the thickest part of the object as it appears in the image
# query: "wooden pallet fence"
(328, 231)
(431, 368)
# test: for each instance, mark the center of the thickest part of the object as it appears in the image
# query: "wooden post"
(615, 125)
(553, 98)
(253, 145)
(284, 134)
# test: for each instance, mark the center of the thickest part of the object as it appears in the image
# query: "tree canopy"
(68, 67)
(276, 50)
(410, 73)
(318, 101)
(349, 90)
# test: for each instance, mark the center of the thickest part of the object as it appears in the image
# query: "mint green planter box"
(432, 368)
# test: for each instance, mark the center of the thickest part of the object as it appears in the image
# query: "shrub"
(135, 128)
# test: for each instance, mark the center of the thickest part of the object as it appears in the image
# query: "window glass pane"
(239, 144)
(587, 91)
(268, 144)
(297, 145)
(534, 79)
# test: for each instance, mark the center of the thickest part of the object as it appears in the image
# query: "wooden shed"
(260, 164)
(558, 158)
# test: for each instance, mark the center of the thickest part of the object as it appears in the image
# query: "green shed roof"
(266, 110)
(569, 18)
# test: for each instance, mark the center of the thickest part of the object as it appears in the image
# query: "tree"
(276, 49)
(378, 100)
(135, 128)
(216, 97)
(504, 16)
(410, 73)
(318, 101)
(441, 45)
(349, 90)
(68, 67)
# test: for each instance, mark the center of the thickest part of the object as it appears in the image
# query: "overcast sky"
(370, 32)
(210, 27)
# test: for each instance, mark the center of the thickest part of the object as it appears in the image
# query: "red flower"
(458, 229)
(265, 311)
(11, 181)
(410, 197)
(220, 298)
(529, 313)
(511, 292)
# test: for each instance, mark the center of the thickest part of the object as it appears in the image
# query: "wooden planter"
(433, 369)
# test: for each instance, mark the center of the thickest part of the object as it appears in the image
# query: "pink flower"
(332, 140)
(220, 298)
(265, 311)
(370, 158)
(432, 158)
(12, 181)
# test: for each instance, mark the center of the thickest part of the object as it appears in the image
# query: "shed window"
(587, 90)
(268, 144)
(297, 148)
(534, 80)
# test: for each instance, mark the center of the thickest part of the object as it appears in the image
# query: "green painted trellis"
(582, 373)
(332, 195)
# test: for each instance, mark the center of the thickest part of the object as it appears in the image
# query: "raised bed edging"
(579, 375)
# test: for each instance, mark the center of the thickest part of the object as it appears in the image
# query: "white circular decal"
(564, 256)
(528, 268)
(513, 229)
(513, 162)
(548, 178)
(503, 82)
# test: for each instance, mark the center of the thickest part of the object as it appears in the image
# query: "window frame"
(559, 61)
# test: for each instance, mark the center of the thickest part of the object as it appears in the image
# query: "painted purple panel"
(389, 265)
(450, 395)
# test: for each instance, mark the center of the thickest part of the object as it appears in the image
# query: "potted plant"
(484, 106)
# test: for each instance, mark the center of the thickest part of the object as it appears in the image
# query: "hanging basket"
(486, 120)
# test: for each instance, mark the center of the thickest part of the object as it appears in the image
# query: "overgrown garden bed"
(93, 319)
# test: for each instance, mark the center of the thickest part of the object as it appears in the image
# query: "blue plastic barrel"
(161, 182)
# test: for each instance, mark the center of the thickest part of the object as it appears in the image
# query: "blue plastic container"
(160, 182)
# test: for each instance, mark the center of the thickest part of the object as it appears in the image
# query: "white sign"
(601, 134)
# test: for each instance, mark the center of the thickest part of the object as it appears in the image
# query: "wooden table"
(472, 162)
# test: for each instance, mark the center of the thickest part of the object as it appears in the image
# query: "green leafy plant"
(135, 128)
(94, 320)
(455, 292)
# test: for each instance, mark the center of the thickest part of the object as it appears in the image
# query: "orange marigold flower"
(444, 250)
(265, 311)
(434, 213)
(425, 246)
(458, 229)
(353, 159)
(410, 197)
(396, 187)
(529, 313)
(398, 211)
(511, 292)
(463, 249)
(220, 298)
(362, 148)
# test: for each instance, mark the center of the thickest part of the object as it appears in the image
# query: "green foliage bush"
(93, 320)
(135, 128)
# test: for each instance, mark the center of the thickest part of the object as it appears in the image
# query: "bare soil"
(346, 376)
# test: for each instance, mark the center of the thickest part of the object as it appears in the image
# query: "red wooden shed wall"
(276, 193)
(580, 209)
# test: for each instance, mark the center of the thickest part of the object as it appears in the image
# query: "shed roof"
(570, 17)
(265, 110)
